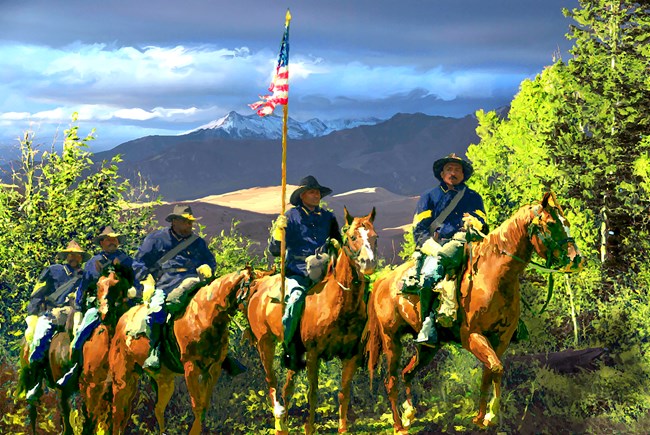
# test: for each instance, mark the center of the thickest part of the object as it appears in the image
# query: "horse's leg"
(64, 407)
(94, 380)
(393, 352)
(200, 384)
(422, 357)
(125, 384)
(312, 397)
(349, 368)
(266, 349)
(479, 345)
(492, 371)
(164, 386)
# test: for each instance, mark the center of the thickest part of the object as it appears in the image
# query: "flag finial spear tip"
(288, 17)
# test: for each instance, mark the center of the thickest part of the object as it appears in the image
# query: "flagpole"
(285, 119)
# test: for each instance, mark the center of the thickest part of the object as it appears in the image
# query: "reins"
(550, 245)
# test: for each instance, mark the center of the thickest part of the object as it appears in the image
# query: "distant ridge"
(395, 154)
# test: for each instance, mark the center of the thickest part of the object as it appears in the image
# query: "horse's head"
(360, 241)
(112, 288)
(551, 238)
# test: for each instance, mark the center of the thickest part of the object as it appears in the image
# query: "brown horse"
(94, 381)
(489, 303)
(202, 335)
(332, 323)
(52, 368)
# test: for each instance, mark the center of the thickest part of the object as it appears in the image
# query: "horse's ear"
(348, 217)
(549, 200)
(372, 214)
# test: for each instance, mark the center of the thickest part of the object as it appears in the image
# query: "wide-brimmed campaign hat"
(73, 248)
(182, 211)
(439, 164)
(307, 183)
(108, 231)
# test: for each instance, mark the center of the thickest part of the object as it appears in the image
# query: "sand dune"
(255, 209)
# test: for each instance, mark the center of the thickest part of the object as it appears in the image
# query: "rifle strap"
(175, 250)
(446, 212)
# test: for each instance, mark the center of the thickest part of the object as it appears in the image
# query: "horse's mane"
(501, 238)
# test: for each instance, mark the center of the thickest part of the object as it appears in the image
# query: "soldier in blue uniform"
(176, 259)
(445, 217)
(306, 227)
(48, 311)
(110, 242)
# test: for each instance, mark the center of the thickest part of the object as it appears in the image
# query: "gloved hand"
(430, 247)
(131, 293)
(278, 228)
(148, 287)
(204, 271)
(472, 222)
(31, 326)
(335, 244)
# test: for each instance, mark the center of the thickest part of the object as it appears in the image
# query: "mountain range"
(238, 152)
(236, 126)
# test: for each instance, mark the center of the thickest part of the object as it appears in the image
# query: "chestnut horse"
(56, 363)
(332, 323)
(94, 382)
(489, 303)
(202, 336)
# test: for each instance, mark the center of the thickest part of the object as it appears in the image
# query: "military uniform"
(173, 276)
(442, 246)
(306, 231)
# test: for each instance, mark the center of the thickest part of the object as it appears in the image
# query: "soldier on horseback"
(307, 227)
(110, 242)
(174, 259)
(48, 310)
(445, 217)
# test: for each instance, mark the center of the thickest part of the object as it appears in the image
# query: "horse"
(202, 336)
(94, 381)
(53, 366)
(332, 323)
(489, 299)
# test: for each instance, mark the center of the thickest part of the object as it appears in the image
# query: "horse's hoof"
(401, 431)
(281, 427)
(478, 421)
(408, 415)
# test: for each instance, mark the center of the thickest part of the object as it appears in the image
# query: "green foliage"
(54, 198)
(232, 250)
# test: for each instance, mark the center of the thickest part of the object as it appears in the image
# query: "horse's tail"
(372, 334)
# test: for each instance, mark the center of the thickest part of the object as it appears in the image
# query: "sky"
(164, 67)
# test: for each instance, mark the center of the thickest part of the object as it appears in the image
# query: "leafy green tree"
(53, 198)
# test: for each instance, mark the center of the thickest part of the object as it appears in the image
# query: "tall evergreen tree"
(611, 105)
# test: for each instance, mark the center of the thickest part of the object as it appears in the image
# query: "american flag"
(280, 83)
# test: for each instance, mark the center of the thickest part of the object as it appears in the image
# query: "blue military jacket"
(435, 201)
(49, 281)
(91, 273)
(306, 231)
(183, 265)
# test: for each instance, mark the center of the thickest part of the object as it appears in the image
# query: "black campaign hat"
(307, 183)
(439, 164)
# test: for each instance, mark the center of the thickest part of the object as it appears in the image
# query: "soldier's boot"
(428, 335)
(292, 344)
(153, 360)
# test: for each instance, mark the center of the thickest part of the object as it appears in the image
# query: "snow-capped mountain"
(236, 126)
